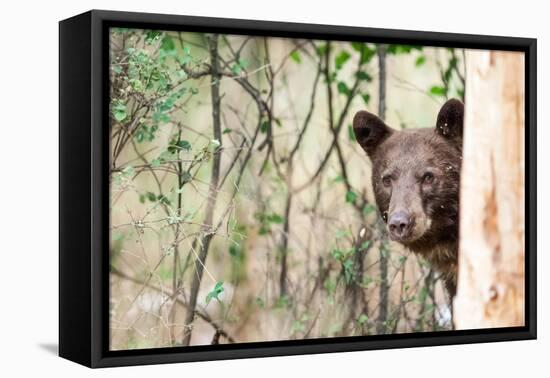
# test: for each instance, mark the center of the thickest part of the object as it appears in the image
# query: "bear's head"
(416, 175)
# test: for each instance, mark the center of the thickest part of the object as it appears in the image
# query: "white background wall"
(29, 189)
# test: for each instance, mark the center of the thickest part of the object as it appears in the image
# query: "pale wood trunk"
(491, 279)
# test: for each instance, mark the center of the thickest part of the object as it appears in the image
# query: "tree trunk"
(384, 252)
(208, 226)
(491, 278)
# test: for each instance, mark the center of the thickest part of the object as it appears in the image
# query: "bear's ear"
(369, 131)
(450, 119)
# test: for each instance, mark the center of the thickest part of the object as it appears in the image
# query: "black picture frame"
(83, 181)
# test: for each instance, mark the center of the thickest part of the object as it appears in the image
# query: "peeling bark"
(491, 278)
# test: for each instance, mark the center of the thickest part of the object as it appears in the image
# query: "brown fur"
(401, 164)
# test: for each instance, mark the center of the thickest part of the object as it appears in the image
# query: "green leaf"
(329, 285)
(235, 250)
(351, 196)
(275, 218)
(369, 208)
(243, 63)
(366, 54)
(140, 136)
(363, 319)
(438, 91)
(216, 291)
(343, 88)
(448, 73)
(342, 234)
(119, 116)
(384, 252)
(118, 236)
(283, 302)
(337, 254)
(226, 130)
(264, 126)
(167, 44)
(366, 98)
(402, 49)
(321, 49)
(331, 78)
(453, 62)
(181, 74)
(184, 145)
(264, 230)
(120, 30)
(365, 245)
(151, 196)
(186, 58)
(298, 326)
(295, 56)
(362, 75)
(351, 133)
(348, 270)
(338, 178)
(160, 117)
(358, 46)
(128, 171)
(116, 69)
(422, 295)
(119, 112)
(367, 281)
(151, 36)
(341, 59)
(260, 302)
(238, 67)
(420, 60)
(137, 85)
(163, 199)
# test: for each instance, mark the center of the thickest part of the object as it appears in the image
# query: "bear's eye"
(386, 180)
(428, 178)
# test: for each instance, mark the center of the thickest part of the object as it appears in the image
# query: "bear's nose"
(399, 225)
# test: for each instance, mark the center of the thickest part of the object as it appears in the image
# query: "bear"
(416, 183)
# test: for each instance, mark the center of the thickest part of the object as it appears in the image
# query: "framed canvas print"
(234, 188)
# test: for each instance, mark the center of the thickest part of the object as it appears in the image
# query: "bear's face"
(416, 175)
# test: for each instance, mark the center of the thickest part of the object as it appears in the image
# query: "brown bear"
(416, 182)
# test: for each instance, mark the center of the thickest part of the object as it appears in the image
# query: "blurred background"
(241, 204)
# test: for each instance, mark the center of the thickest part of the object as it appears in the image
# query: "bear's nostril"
(402, 227)
(399, 223)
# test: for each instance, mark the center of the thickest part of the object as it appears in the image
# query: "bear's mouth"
(412, 233)
(404, 239)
